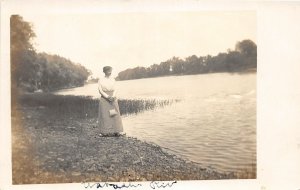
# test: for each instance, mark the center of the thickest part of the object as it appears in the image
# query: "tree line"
(242, 59)
(31, 71)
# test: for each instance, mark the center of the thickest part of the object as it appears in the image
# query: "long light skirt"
(109, 124)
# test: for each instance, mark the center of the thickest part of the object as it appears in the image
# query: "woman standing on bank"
(110, 123)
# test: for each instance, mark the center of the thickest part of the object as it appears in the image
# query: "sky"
(127, 40)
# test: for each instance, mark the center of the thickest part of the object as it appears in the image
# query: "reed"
(86, 106)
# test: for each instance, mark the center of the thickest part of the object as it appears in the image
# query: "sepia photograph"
(133, 96)
(127, 94)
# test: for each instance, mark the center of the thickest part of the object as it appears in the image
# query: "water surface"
(214, 124)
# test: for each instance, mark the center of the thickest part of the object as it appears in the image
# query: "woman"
(110, 123)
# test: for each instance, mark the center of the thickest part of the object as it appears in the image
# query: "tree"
(246, 47)
(165, 67)
(59, 72)
(23, 67)
(234, 61)
(248, 50)
(31, 71)
(241, 60)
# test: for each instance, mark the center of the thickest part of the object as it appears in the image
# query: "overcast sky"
(127, 40)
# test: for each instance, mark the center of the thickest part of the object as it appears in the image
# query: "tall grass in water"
(136, 106)
(85, 106)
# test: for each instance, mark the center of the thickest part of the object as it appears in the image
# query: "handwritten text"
(115, 186)
(159, 184)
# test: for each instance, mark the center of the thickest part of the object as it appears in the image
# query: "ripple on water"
(214, 124)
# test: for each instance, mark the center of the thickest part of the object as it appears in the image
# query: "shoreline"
(54, 140)
(48, 148)
(250, 71)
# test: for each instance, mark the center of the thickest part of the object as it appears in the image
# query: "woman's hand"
(111, 98)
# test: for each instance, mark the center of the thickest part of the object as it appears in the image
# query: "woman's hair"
(107, 68)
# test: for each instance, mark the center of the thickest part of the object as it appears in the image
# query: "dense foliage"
(57, 72)
(31, 71)
(243, 58)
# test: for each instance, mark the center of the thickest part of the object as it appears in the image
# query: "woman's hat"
(107, 68)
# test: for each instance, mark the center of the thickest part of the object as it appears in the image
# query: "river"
(214, 124)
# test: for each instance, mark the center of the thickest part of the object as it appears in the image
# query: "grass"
(86, 106)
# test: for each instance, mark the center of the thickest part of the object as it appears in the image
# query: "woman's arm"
(114, 94)
(101, 90)
(115, 90)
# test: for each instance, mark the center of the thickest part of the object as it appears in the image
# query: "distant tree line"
(32, 71)
(242, 59)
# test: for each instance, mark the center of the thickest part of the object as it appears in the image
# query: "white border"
(278, 85)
